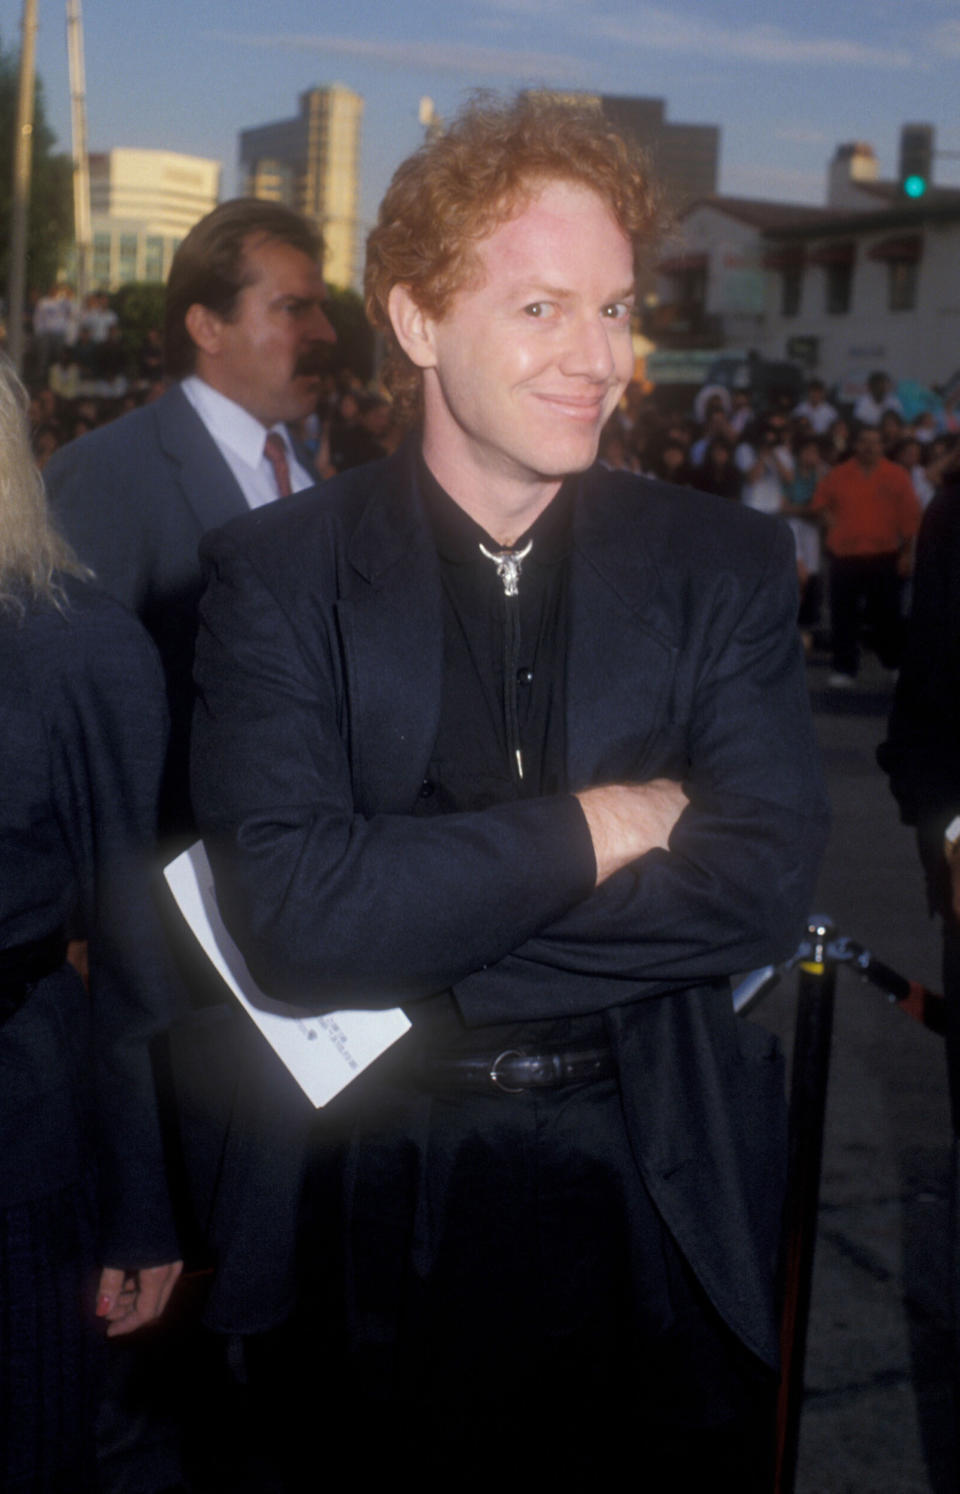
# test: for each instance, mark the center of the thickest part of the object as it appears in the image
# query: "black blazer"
(84, 733)
(319, 671)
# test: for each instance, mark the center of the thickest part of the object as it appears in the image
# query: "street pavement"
(878, 1415)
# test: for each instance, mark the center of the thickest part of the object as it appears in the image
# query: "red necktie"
(276, 454)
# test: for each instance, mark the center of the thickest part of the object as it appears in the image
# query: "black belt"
(25, 964)
(513, 1071)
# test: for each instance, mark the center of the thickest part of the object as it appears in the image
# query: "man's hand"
(626, 820)
(128, 1300)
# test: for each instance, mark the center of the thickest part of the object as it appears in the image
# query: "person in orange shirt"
(871, 515)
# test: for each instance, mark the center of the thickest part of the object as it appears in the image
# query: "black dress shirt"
(502, 733)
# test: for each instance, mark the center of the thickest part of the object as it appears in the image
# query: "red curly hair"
(462, 185)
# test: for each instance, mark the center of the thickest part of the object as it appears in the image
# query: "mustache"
(313, 360)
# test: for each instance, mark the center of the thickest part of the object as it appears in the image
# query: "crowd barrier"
(816, 960)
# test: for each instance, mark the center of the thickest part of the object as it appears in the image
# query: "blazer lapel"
(206, 481)
(391, 626)
(622, 654)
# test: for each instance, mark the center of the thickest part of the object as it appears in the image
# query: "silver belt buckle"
(495, 1079)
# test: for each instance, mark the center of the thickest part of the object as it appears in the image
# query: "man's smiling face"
(523, 370)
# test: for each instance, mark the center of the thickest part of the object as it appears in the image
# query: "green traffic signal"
(914, 186)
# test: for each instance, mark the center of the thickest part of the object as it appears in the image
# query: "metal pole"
(81, 159)
(808, 1099)
(22, 161)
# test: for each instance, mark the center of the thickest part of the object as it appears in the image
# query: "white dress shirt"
(868, 412)
(240, 438)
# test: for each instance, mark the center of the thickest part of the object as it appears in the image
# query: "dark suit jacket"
(922, 750)
(319, 668)
(135, 498)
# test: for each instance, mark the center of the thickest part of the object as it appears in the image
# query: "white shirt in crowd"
(240, 437)
(868, 411)
(766, 491)
(821, 417)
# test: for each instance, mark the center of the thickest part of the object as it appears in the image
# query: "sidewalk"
(878, 1414)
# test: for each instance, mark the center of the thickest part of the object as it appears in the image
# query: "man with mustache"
(247, 340)
(522, 745)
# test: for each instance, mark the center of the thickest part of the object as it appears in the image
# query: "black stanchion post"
(808, 1098)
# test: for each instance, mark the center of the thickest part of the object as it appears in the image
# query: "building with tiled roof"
(872, 280)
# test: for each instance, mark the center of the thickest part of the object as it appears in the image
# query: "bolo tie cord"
(509, 564)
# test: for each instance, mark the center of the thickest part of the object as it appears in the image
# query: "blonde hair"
(460, 186)
(31, 550)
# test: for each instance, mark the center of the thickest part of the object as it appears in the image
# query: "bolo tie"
(509, 564)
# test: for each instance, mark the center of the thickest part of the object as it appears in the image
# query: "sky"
(785, 83)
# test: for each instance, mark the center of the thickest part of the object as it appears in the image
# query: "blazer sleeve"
(106, 726)
(332, 908)
(733, 891)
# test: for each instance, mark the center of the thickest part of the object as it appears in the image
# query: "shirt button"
(524, 676)
(426, 789)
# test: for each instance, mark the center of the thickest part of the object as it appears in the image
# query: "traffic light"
(916, 159)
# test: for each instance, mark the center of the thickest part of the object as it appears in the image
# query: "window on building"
(839, 287)
(101, 259)
(692, 287)
(127, 268)
(791, 290)
(902, 284)
(153, 258)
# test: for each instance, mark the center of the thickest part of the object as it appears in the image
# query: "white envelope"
(322, 1053)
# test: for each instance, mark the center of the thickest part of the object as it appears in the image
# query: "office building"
(142, 203)
(312, 163)
(684, 155)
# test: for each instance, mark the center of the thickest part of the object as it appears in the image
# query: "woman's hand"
(130, 1299)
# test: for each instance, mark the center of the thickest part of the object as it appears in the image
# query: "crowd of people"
(765, 458)
(725, 442)
(779, 460)
(773, 457)
(721, 443)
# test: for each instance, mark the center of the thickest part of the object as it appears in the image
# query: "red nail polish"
(103, 1305)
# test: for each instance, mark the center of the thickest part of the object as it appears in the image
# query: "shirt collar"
(458, 537)
(229, 423)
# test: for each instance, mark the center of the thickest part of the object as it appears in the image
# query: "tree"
(51, 187)
(139, 305)
(354, 349)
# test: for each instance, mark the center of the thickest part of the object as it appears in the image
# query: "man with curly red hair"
(522, 745)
